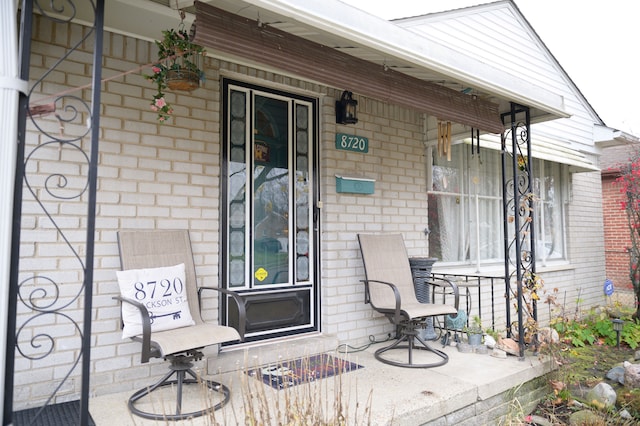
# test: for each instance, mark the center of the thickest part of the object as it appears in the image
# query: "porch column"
(517, 199)
(10, 86)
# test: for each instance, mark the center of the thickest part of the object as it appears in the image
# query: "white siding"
(499, 35)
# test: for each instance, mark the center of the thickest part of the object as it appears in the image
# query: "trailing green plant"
(176, 53)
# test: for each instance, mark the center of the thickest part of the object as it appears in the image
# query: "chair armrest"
(146, 327)
(396, 293)
(444, 283)
(242, 311)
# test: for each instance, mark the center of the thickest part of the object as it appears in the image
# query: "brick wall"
(616, 234)
(399, 204)
(155, 176)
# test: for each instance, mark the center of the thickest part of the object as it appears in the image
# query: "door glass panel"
(302, 193)
(271, 191)
(237, 188)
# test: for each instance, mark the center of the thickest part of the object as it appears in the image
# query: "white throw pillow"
(162, 291)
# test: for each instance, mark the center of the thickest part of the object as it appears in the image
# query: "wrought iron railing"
(472, 288)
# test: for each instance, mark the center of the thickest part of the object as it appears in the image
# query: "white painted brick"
(33, 376)
(137, 198)
(108, 313)
(154, 188)
(117, 87)
(139, 150)
(108, 343)
(119, 136)
(103, 326)
(116, 161)
(169, 177)
(117, 210)
(153, 211)
(137, 223)
(173, 224)
(140, 126)
(112, 364)
(99, 380)
(132, 374)
(121, 112)
(46, 389)
(171, 200)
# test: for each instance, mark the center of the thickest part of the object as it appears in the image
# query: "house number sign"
(352, 143)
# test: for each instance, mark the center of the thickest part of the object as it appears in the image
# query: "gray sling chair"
(150, 251)
(389, 289)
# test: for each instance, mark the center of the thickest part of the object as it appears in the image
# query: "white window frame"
(472, 170)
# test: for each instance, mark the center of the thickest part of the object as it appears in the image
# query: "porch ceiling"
(351, 31)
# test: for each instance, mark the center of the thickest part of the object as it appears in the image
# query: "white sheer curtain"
(447, 239)
(467, 197)
(465, 208)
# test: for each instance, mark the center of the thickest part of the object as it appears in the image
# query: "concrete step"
(250, 355)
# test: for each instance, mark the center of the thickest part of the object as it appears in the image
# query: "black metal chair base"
(181, 368)
(411, 337)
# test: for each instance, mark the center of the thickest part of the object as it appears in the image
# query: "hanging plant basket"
(183, 65)
(179, 67)
(182, 79)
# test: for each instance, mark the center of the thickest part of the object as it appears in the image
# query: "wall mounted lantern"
(346, 109)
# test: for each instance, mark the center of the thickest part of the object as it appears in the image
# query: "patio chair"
(389, 289)
(160, 305)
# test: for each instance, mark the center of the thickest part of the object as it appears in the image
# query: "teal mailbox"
(354, 185)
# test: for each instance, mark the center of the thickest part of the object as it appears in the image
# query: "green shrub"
(596, 325)
(630, 333)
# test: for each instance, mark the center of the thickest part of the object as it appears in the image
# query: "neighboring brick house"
(616, 230)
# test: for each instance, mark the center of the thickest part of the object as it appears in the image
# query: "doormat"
(302, 370)
(63, 414)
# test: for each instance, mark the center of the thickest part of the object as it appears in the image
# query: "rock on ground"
(616, 374)
(586, 418)
(631, 375)
(603, 395)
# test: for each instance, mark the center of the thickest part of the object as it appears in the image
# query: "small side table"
(421, 271)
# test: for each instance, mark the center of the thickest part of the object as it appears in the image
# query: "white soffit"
(356, 27)
(545, 148)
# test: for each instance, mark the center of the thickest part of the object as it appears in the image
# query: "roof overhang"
(226, 32)
(349, 30)
(342, 26)
(606, 137)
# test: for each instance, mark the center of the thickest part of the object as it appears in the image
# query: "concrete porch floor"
(471, 389)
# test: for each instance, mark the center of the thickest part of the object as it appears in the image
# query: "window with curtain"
(465, 208)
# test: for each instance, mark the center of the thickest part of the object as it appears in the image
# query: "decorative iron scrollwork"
(519, 199)
(57, 165)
